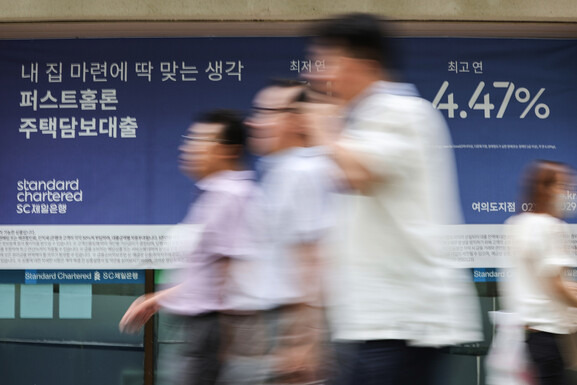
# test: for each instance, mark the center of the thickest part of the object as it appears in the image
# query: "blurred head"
(356, 51)
(546, 184)
(214, 142)
(274, 124)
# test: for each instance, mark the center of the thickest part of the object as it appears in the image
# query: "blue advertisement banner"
(72, 276)
(489, 275)
(507, 102)
(91, 127)
(499, 275)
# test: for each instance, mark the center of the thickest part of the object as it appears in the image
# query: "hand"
(299, 354)
(323, 123)
(298, 364)
(141, 310)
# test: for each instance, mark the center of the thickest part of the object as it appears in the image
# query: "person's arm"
(563, 289)
(142, 309)
(556, 262)
(308, 257)
(323, 122)
(145, 306)
(352, 165)
(303, 330)
(224, 268)
(300, 353)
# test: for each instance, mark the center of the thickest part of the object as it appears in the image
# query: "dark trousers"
(385, 362)
(545, 355)
(191, 354)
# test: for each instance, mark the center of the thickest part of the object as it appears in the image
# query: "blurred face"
(270, 120)
(338, 77)
(560, 192)
(200, 150)
(562, 182)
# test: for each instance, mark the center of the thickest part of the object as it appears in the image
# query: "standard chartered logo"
(47, 196)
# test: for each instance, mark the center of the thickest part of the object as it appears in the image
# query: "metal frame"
(152, 29)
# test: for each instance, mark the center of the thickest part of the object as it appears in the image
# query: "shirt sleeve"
(388, 134)
(310, 203)
(555, 249)
(225, 232)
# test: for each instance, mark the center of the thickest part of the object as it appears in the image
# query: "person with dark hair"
(210, 154)
(290, 220)
(538, 292)
(396, 298)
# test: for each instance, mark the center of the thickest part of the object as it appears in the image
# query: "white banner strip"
(89, 246)
(146, 246)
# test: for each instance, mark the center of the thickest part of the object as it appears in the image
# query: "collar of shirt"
(381, 87)
(271, 161)
(213, 180)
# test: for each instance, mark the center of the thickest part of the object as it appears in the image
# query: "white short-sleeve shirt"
(391, 279)
(538, 250)
(293, 209)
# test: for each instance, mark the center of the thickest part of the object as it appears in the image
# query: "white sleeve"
(555, 251)
(310, 204)
(387, 133)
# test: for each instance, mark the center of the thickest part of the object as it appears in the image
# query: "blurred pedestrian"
(212, 155)
(539, 292)
(396, 299)
(290, 221)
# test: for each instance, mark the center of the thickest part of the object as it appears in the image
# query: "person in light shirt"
(290, 220)
(538, 291)
(211, 154)
(395, 297)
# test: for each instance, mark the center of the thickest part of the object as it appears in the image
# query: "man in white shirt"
(290, 220)
(395, 298)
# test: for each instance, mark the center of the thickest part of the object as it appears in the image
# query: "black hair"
(234, 131)
(290, 83)
(303, 97)
(538, 178)
(362, 35)
(287, 82)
